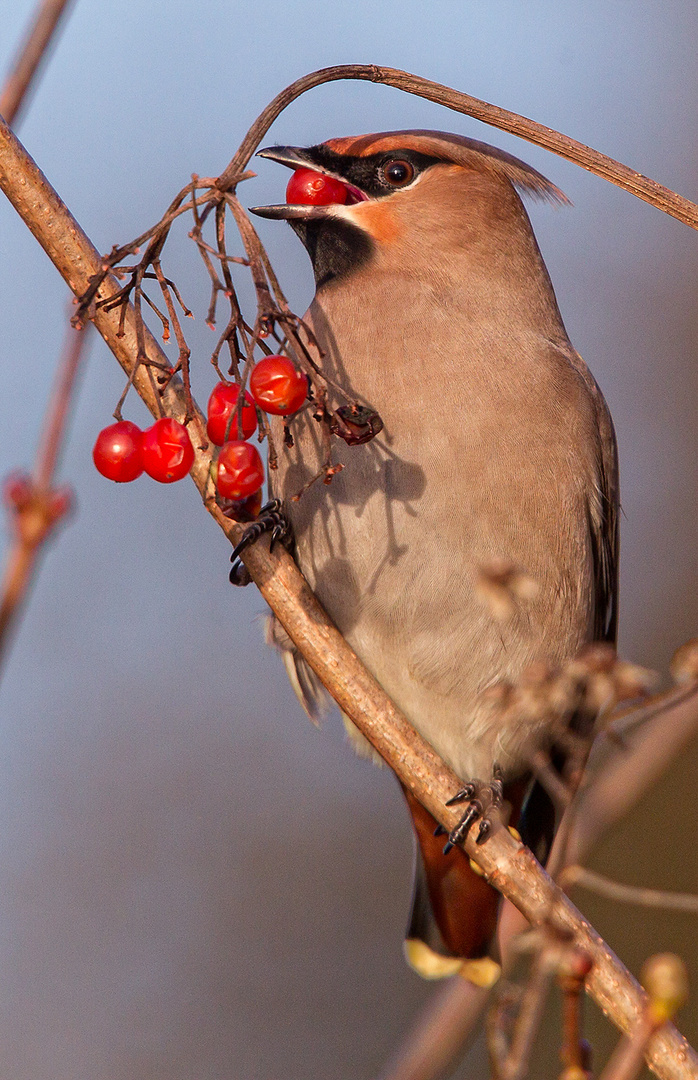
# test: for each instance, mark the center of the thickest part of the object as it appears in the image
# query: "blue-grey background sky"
(195, 883)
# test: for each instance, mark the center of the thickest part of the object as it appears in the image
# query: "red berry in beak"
(307, 187)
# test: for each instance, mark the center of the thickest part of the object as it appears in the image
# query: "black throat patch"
(335, 247)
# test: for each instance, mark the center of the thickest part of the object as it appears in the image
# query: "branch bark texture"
(507, 863)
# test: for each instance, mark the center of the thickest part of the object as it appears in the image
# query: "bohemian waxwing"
(434, 307)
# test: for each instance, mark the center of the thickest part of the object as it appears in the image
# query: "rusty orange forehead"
(381, 142)
(456, 149)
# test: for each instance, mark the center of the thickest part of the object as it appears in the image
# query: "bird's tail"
(453, 920)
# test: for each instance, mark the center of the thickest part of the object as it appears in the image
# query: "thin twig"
(627, 894)
(32, 51)
(37, 507)
(631, 771)
(57, 413)
(628, 1058)
(530, 1014)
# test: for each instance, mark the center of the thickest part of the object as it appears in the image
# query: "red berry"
(117, 452)
(278, 386)
(168, 454)
(221, 406)
(240, 470)
(309, 187)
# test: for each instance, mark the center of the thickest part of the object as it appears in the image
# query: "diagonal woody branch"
(509, 866)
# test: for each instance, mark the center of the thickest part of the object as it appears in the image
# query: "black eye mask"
(367, 173)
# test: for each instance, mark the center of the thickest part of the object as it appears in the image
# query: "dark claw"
(239, 575)
(484, 831)
(278, 533)
(477, 810)
(270, 519)
(460, 833)
(466, 793)
(439, 831)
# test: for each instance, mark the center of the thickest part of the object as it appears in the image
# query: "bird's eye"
(398, 173)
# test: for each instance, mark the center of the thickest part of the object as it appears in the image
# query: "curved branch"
(656, 194)
(510, 866)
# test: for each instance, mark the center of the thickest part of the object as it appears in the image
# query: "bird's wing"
(603, 501)
(604, 512)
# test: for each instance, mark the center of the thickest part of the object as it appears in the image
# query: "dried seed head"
(595, 658)
(604, 680)
(534, 694)
(356, 424)
(566, 693)
(632, 681)
(684, 662)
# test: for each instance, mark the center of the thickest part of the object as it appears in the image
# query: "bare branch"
(627, 894)
(35, 506)
(30, 55)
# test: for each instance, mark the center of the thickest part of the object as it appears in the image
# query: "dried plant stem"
(57, 413)
(510, 866)
(14, 587)
(627, 894)
(656, 194)
(33, 49)
(35, 523)
(528, 1021)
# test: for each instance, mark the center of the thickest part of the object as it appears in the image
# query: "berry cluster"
(122, 451)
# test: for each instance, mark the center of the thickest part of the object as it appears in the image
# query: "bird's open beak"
(288, 212)
(295, 157)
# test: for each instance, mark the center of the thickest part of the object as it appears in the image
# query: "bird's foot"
(271, 519)
(484, 802)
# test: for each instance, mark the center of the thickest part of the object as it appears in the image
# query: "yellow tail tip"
(432, 965)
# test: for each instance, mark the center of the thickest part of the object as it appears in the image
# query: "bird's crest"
(457, 149)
